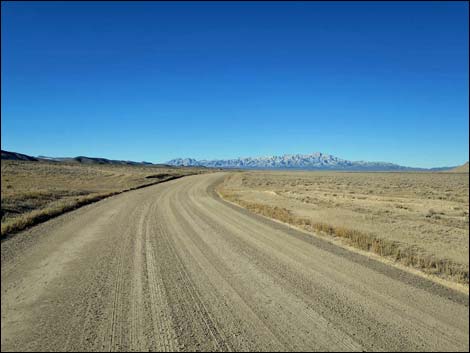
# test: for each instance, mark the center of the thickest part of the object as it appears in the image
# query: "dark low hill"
(92, 160)
(14, 156)
(7, 155)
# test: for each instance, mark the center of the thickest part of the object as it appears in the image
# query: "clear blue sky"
(153, 81)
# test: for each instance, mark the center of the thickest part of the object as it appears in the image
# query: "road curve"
(173, 267)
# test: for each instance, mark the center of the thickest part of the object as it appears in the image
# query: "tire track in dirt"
(138, 315)
(164, 336)
(203, 333)
(118, 330)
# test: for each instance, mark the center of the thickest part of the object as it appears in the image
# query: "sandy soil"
(174, 267)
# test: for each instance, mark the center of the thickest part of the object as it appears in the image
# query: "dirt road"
(173, 267)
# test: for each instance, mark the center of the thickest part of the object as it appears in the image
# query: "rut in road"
(175, 268)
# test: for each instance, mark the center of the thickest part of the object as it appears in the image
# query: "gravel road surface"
(173, 267)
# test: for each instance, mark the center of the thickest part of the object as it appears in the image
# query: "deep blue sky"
(153, 81)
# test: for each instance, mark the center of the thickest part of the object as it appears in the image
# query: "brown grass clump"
(23, 221)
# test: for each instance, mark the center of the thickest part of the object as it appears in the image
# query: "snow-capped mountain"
(315, 160)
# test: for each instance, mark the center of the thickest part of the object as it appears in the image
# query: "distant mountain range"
(314, 161)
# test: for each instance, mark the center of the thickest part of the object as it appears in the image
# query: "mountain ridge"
(15, 156)
(313, 161)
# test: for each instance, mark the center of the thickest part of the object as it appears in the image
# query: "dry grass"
(33, 192)
(419, 220)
